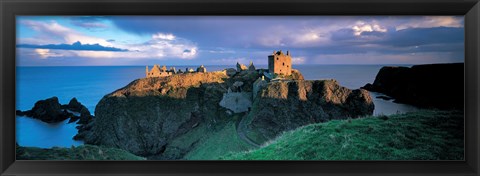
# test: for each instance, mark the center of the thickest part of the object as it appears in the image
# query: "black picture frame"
(10, 8)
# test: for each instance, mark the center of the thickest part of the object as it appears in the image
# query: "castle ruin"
(157, 71)
(279, 63)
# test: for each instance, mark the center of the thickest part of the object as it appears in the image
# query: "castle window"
(277, 58)
(284, 64)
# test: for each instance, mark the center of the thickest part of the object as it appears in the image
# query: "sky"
(226, 40)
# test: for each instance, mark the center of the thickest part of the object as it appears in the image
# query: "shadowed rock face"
(148, 114)
(430, 86)
(48, 110)
(51, 111)
(288, 105)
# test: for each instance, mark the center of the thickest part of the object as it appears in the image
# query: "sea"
(90, 83)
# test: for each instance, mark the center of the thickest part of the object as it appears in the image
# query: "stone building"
(157, 71)
(202, 69)
(280, 63)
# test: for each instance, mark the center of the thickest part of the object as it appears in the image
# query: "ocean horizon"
(90, 83)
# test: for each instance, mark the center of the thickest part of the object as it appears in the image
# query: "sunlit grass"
(423, 135)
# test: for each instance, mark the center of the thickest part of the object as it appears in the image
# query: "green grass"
(423, 135)
(83, 152)
(217, 144)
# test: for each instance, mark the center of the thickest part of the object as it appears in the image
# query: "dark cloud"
(222, 39)
(89, 22)
(424, 36)
(342, 35)
(74, 46)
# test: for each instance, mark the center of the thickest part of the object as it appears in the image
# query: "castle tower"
(202, 69)
(280, 63)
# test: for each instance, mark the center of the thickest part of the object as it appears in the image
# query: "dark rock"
(146, 121)
(83, 130)
(429, 86)
(51, 111)
(48, 110)
(76, 106)
(85, 119)
(20, 113)
(287, 105)
(231, 71)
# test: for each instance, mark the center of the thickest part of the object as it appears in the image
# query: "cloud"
(162, 36)
(45, 53)
(55, 33)
(383, 58)
(432, 21)
(424, 36)
(90, 25)
(364, 27)
(232, 60)
(223, 40)
(219, 50)
(167, 46)
(75, 46)
(160, 46)
(298, 60)
(89, 22)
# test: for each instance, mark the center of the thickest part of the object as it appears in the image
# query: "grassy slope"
(83, 152)
(209, 142)
(423, 135)
(217, 144)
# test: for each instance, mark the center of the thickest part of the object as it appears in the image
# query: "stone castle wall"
(157, 72)
(280, 63)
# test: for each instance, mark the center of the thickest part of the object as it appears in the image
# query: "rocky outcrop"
(48, 110)
(231, 71)
(297, 75)
(147, 114)
(241, 67)
(258, 85)
(286, 105)
(429, 86)
(51, 111)
(76, 107)
(237, 101)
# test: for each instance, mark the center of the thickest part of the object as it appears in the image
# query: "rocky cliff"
(430, 86)
(148, 113)
(286, 105)
(166, 118)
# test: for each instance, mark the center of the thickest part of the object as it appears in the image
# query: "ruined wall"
(157, 72)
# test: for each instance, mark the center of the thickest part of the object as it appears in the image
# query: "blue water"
(90, 84)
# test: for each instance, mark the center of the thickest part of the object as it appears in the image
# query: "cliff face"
(431, 86)
(161, 117)
(283, 106)
(147, 114)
